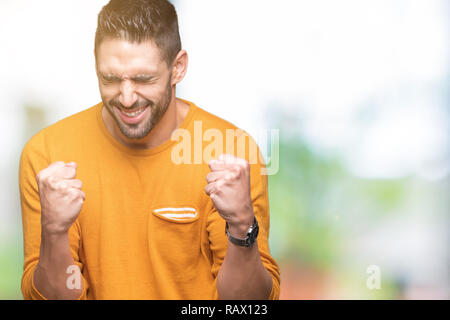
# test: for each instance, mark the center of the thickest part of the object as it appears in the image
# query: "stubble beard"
(157, 111)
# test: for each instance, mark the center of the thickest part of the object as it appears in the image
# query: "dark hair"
(141, 20)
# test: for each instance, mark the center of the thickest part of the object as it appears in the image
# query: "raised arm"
(56, 275)
(242, 274)
(51, 200)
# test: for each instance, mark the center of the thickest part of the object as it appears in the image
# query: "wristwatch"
(252, 234)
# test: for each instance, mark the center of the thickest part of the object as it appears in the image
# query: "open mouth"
(133, 116)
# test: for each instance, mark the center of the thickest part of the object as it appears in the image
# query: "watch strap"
(250, 238)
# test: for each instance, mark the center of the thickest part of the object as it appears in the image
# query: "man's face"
(135, 85)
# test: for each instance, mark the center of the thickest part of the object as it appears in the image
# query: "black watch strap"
(250, 238)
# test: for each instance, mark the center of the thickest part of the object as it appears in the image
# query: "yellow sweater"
(146, 230)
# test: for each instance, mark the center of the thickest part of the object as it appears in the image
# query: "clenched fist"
(60, 195)
(229, 189)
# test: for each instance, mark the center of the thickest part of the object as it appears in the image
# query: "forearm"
(242, 275)
(50, 275)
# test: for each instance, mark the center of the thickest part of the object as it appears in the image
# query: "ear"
(179, 67)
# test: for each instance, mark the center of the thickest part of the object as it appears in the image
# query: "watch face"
(251, 235)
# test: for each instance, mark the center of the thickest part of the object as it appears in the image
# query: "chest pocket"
(174, 241)
(177, 214)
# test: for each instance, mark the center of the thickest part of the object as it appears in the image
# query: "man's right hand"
(60, 195)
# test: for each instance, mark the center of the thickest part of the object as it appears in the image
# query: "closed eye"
(144, 79)
(110, 79)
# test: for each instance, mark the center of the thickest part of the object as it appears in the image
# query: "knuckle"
(56, 164)
(62, 188)
(49, 181)
(232, 175)
(67, 172)
(237, 171)
(73, 193)
(237, 167)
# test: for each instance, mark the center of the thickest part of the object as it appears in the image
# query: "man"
(109, 211)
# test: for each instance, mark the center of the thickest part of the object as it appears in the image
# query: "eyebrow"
(139, 77)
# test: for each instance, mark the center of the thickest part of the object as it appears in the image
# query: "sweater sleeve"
(33, 159)
(260, 199)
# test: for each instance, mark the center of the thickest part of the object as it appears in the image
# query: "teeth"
(133, 114)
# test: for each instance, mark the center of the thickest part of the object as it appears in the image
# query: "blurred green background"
(329, 225)
(358, 91)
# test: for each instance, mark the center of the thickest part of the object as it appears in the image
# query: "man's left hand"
(229, 189)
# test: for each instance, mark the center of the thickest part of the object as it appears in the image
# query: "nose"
(128, 96)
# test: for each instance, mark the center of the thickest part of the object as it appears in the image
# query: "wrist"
(53, 233)
(239, 229)
(53, 228)
(250, 235)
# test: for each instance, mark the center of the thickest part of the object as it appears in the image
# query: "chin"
(134, 134)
